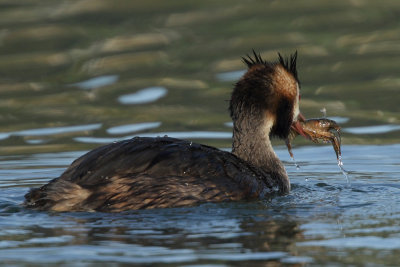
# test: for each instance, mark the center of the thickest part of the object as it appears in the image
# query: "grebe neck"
(251, 142)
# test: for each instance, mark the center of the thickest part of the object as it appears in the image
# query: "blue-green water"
(78, 74)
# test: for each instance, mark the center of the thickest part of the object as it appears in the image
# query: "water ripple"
(97, 82)
(230, 75)
(181, 135)
(136, 127)
(58, 130)
(143, 96)
(378, 129)
(372, 242)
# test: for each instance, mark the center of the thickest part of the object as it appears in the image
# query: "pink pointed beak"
(298, 126)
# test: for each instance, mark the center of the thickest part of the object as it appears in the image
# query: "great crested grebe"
(144, 173)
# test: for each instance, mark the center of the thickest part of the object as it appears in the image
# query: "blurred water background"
(80, 73)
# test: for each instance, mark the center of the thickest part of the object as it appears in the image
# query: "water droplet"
(345, 173)
(323, 110)
(295, 163)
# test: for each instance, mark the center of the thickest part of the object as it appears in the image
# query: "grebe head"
(267, 96)
(264, 103)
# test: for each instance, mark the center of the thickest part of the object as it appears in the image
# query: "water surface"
(324, 220)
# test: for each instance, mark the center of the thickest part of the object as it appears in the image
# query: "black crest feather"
(289, 63)
(249, 61)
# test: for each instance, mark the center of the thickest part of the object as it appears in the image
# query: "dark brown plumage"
(165, 172)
